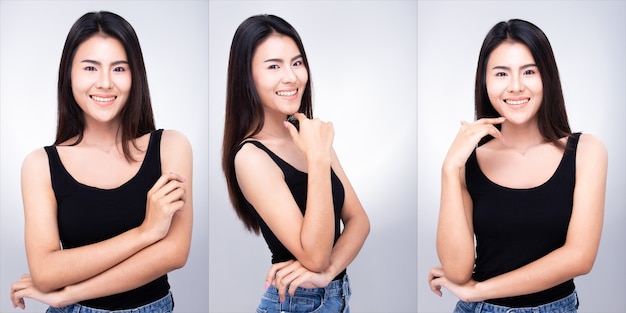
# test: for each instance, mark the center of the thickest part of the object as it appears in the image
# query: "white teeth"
(286, 93)
(516, 102)
(100, 99)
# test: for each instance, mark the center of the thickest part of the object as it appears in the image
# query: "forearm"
(348, 245)
(553, 269)
(61, 268)
(138, 270)
(318, 225)
(455, 238)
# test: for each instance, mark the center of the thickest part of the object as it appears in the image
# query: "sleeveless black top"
(515, 227)
(87, 215)
(297, 182)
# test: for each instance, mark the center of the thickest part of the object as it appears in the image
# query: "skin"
(518, 149)
(277, 69)
(59, 277)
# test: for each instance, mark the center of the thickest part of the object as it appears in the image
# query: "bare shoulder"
(175, 151)
(250, 162)
(36, 162)
(173, 139)
(591, 146)
(591, 153)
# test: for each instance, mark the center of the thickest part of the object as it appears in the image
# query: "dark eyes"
(295, 64)
(118, 69)
(526, 72)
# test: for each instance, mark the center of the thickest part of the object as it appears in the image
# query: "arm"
(576, 256)
(356, 228)
(455, 231)
(158, 259)
(310, 237)
(52, 267)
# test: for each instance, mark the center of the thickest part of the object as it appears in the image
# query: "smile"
(517, 102)
(287, 93)
(100, 99)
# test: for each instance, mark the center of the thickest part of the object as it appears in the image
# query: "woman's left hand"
(24, 288)
(293, 275)
(466, 292)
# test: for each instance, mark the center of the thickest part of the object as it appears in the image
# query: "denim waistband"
(567, 304)
(165, 304)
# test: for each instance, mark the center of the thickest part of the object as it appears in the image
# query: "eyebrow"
(98, 63)
(502, 67)
(281, 60)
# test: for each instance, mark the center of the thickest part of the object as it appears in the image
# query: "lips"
(290, 93)
(103, 99)
(517, 101)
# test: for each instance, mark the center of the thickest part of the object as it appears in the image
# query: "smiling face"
(101, 78)
(514, 83)
(279, 75)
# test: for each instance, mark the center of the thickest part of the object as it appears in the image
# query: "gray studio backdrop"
(588, 39)
(363, 66)
(174, 39)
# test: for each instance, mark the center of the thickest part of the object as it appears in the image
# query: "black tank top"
(515, 227)
(87, 215)
(297, 182)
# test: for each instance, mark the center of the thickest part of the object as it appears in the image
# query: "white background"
(589, 43)
(363, 62)
(174, 40)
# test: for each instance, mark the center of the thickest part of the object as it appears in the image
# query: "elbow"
(318, 265)
(585, 265)
(458, 278)
(43, 283)
(457, 274)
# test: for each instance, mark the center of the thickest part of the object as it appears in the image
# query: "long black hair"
(551, 116)
(136, 116)
(244, 110)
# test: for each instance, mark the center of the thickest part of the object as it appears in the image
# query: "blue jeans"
(163, 305)
(332, 299)
(568, 304)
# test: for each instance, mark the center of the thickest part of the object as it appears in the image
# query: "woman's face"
(514, 83)
(279, 74)
(101, 78)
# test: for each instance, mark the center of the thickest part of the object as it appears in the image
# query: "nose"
(289, 76)
(104, 80)
(516, 83)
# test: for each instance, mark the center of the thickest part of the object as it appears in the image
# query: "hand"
(293, 275)
(24, 288)
(467, 139)
(165, 198)
(466, 292)
(315, 138)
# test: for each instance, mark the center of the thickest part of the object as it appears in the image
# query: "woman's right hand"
(467, 139)
(166, 197)
(315, 137)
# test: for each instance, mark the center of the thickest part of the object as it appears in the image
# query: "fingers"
(18, 290)
(435, 280)
(271, 274)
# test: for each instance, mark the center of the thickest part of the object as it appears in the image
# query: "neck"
(274, 128)
(103, 136)
(521, 138)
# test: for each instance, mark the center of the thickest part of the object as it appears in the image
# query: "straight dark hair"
(551, 116)
(136, 116)
(244, 110)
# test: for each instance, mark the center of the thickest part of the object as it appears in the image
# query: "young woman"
(531, 192)
(108, 207)
(286, 182)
